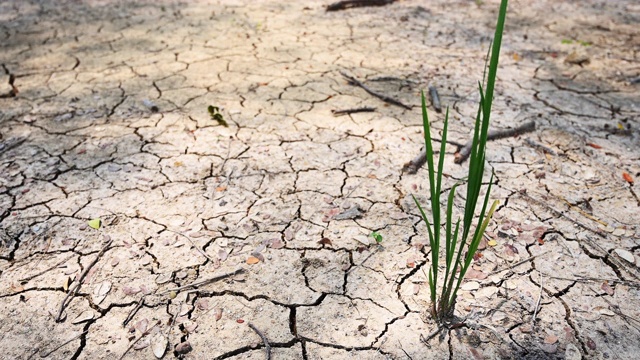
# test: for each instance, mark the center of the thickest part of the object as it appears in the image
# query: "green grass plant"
(457, 260)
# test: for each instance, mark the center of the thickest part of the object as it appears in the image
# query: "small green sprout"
(376, 236)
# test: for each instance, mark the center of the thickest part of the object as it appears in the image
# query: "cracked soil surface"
(103, 113)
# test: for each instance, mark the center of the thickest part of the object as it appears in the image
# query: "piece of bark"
(435, 98)
(348, 4)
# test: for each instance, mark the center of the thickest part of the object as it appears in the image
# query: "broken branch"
(518, 263)
(69, 295)
(465, 151)
(267, 346)
(206, 281)
(352, 111)
(387, 99)
(347, 4)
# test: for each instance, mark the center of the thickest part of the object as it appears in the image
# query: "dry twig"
(464, 152)
(387, 99)
(518, 263)
(348, 4)
(205, 281)
(535, 312)
(24, 280)
(63, 344)
(352, 111)
(76, 288)
(133, 312)
(192, 244)
(267, 346)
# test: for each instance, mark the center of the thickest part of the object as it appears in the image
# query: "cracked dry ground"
(104, 115)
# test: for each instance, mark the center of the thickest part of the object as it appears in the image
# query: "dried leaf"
(324, 241)
(142, 344)
(240, 321)
(252, 260)
(510, 250)
(627, 177)
(259, 256)
(492, 242)
(476, 274)
(477, 256)
(202, 304)
(217, 313)
(352, 213)
(595, 146)
(141, 325)
(276, 244)
(159, 345)
(626, 255)
(411, 263)
(550, 339)
(606, 288)
(85, 316)
(190, 326)
(183, 348)
(163, 278)
(130, 290)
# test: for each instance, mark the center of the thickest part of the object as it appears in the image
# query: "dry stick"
(431, 336)
(540, 146)
(412, 166)
(518, 263)
(206, 281)
(80, 280)
(133, 312)
(465, 151)
(267, 347)
(352, 111)
(147, 332)
(193, 244)
(347, 4)
(365, 259)
(46, 270)
(535, 312)
(354, 81)
(63, 344)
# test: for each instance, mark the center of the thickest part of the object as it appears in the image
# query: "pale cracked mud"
(103, 111)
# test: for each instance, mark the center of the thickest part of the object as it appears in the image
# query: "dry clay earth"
(104, 115)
